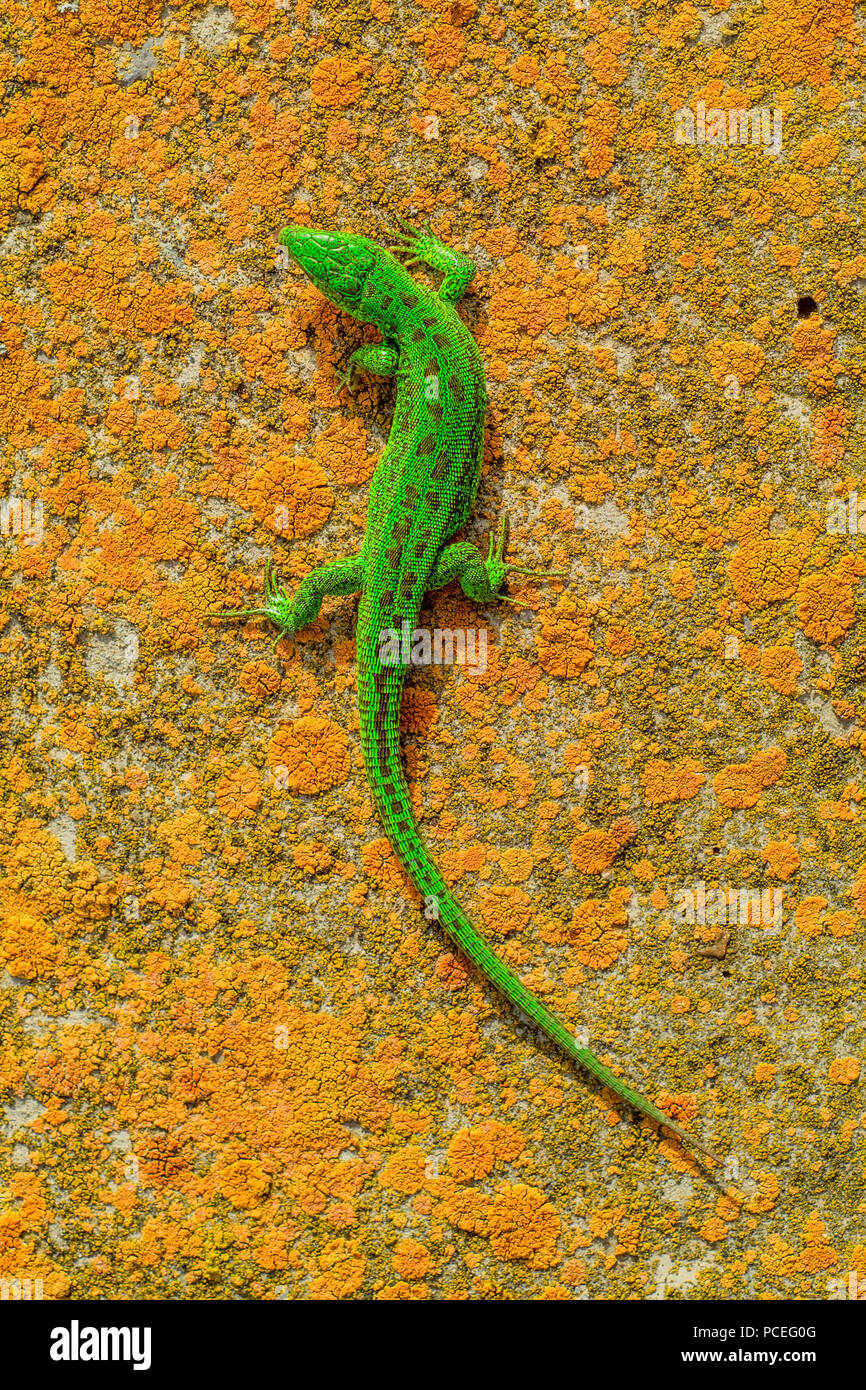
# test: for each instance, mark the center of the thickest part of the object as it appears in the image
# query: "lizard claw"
(237, 613)
(346, 378)
(497, 567)
(539, 574)
(411, 239)
(276, 607)
(409, 231)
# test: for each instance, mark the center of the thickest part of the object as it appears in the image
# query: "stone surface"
(236, 1060)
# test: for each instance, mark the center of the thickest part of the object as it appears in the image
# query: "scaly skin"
(422, 492)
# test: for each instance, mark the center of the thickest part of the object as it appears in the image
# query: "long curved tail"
(379, 705)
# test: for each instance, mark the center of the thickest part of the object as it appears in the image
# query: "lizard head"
(337, 263)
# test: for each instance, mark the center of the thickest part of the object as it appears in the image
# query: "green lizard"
(422, 492)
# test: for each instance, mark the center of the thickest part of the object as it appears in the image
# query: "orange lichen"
(238, 793)
(841, 924)
(596, 929)
(858, 890)
(813, 347)
(767, 1194)
(565, 647)
(735, 358)
(683, 582)
(781, 858)
(405, 1170)
(594, 851)
(779, 666)
(244, 1183)
(342, 447)
(619, 641)
(472, 1153)
(817, 1252)
(808, 915)
(381, 864)
(418, 712)
(505, 910)
(314, 857)
(825, 601)
(524, 1225)
(741, 784)
(343, 1264)
(665, 782)
(336, 82)
(451, 971)
(600, 127)
(287, 494)
(310, 754)
(27, 946)
(844, 1071)
(830, 426)
(411, 1259)
(766, 569)
(467, 1209)
(258, 679)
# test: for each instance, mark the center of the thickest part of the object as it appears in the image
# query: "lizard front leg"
(380, 359)
(456, 268)
(289, 614)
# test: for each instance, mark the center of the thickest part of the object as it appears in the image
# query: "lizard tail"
(379, 703)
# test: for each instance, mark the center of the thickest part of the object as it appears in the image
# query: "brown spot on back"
(426, 446)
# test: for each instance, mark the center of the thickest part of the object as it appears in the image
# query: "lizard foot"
(277, 607)
(413, 240)
(426, 248)
(497, 568)
(346, 378)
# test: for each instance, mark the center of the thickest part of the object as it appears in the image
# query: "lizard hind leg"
(481, 580)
